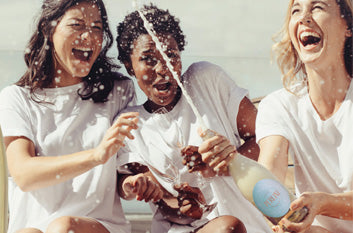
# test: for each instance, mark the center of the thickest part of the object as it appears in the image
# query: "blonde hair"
(287, 57)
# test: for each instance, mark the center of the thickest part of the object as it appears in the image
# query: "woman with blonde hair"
(310, 119)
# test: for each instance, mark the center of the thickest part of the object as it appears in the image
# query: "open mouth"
(162, 86)
(309, 38)
(82, 54)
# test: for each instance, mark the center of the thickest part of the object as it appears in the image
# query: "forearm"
(36, 172)
(338, 205)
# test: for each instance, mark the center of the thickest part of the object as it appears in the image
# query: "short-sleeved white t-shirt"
(65, 124)
(217, 98)
(322, 150)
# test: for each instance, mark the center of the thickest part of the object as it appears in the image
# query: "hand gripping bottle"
(259, 186)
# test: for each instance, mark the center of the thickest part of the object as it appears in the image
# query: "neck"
(151, 106)
(327, 89)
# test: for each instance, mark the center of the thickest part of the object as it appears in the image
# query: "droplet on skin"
(57, 177)
(85, 54)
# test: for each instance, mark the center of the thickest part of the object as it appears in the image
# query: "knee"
(231, 224)
(63, 224)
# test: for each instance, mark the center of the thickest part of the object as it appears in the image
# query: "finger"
(190, 149)
(223, 158)
(127, 115)
(127, 120)
(150, 191)
(140, 188)
(209, 144)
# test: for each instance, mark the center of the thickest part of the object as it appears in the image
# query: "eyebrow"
(312, 3)
(81, 20)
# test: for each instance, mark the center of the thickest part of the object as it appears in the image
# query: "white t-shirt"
(66, 125)
(217, 98)
(322, 150)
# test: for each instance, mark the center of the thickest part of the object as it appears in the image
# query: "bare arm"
(32, 172)
(274, 155)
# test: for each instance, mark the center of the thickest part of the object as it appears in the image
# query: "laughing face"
(151, 72)
(77, 43)
(317, 31)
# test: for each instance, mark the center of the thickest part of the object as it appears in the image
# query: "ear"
(129, 68)
(348, 32)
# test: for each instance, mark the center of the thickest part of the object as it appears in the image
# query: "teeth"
(307, 34)
(84, 49)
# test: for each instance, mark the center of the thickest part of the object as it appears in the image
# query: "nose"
(86, 34)
(161, 67)
(306, 18)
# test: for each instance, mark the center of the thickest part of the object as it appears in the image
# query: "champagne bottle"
(3, 187)
(259, 186)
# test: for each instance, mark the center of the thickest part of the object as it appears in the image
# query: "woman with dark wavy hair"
(56, 122)
(310, 118)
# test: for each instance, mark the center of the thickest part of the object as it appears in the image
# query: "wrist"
(325, 203)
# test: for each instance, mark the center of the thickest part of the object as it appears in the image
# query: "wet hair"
(39, 54)
(132, 27)
(288, 59)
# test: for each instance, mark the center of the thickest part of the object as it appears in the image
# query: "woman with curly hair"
(56, 122)
(310, 119)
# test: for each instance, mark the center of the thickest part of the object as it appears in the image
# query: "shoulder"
(124, 86)
(282, 100)
(13, 92)
(203, 67)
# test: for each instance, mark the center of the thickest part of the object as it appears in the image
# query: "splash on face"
(77, 42)
(152, 74)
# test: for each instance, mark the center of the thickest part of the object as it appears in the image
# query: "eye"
(97, 27)
(318, 7)
(148, 60)
(295, 10)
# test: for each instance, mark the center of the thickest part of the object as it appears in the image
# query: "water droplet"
(54, 23)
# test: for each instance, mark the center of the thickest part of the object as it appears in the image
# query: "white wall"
(234, 34)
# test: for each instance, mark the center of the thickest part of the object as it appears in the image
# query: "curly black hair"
(132, 27)
(39, 54)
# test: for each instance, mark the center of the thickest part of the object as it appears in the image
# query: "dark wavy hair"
(39, 54)
(132, 27)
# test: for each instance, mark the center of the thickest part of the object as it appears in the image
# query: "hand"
(312, 201)
(115, 136)
(143, 188)
(217, 152)
(193, 160)
(186, 200)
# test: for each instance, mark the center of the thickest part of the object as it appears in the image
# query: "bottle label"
(271, 198)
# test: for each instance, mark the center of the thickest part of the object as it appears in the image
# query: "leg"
(223, 224)
(29, 230)
(317, 229)
(67, 224)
